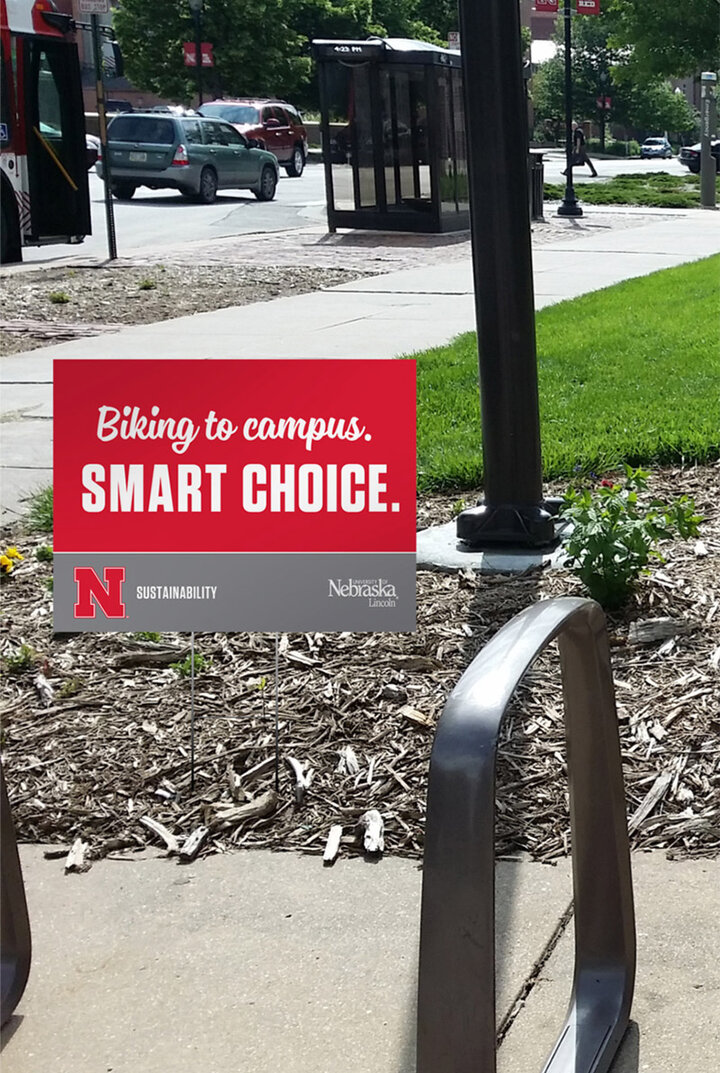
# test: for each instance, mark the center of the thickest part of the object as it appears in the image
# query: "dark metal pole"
(102, 126)
(496, 115)
(569, 205)
(198, 52)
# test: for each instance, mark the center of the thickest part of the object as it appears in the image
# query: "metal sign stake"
(192, 711)
(277, 710)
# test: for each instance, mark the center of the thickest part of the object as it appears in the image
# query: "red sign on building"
(546, 5)
(588, 7)
(234, 495)
(206, 54)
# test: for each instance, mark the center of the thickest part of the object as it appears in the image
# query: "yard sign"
(234, 495)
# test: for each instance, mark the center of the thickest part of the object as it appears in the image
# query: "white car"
(656, 147)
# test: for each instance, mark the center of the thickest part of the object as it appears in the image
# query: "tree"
(667, 38)
(654, 107)
(256, 49)
(601, 72)
(261, 47)
(593, 63)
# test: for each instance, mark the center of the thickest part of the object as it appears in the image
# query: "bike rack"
(456, 1028)
(15, 946)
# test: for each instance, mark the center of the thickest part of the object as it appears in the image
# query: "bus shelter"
(393, 135)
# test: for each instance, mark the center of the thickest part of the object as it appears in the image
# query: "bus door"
(55, 135)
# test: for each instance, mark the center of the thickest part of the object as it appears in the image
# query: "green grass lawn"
(654, 188)
(627, 374)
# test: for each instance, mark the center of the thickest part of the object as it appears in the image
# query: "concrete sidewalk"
(379, 317)
(256, 962)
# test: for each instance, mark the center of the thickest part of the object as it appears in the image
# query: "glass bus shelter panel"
(446, 140)
(338, 90)
(405, 151)
(362, 142)
(461, 157)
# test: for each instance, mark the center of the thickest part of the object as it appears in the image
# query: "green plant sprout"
(23, 661)
(614, 534)
(184, 667)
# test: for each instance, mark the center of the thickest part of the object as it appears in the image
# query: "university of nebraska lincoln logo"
(105, 594)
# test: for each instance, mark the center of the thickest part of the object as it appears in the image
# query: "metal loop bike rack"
(456, 1028)
(15, 946)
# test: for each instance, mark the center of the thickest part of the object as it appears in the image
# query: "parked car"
(689, 155)
(192, 154)
(276, 125)
(656, 147)
(92, 150)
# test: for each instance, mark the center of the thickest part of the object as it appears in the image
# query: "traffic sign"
(93, 7)
(206, 54)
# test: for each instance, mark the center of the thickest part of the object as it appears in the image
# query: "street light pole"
(569, 206)
(603, 83)
(196, 8)
(513, 511)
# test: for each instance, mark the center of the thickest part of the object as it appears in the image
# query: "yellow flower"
(13, 553)
(5, 564)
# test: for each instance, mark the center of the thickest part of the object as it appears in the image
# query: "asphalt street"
(158, 218)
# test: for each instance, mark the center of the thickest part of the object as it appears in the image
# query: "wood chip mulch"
(96, 728)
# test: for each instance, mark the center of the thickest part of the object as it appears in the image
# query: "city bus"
(43, 172)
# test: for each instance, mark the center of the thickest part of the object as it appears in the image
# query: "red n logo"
(106, 594)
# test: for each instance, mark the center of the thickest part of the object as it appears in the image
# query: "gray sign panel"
(284, 592)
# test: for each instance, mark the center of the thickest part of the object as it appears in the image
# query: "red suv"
(275, 125)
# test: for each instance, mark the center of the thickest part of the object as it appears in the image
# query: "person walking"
(579, 155)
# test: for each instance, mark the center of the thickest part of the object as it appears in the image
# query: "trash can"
(536, 179)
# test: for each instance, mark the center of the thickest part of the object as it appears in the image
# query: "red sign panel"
(546, 5)
(190, 54)
(604, 103)
(588, 7)
(209, 494)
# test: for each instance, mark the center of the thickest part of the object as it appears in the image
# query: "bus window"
(56, 142)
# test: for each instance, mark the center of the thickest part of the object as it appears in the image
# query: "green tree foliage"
(647, 103)
(261, 47)
(654, 106)
(256, 48)
(667, 37)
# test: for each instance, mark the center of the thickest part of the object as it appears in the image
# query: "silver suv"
(194, 155)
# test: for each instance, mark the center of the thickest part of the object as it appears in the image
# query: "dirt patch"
(55, 304)
(111, 743)
(51, 305)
